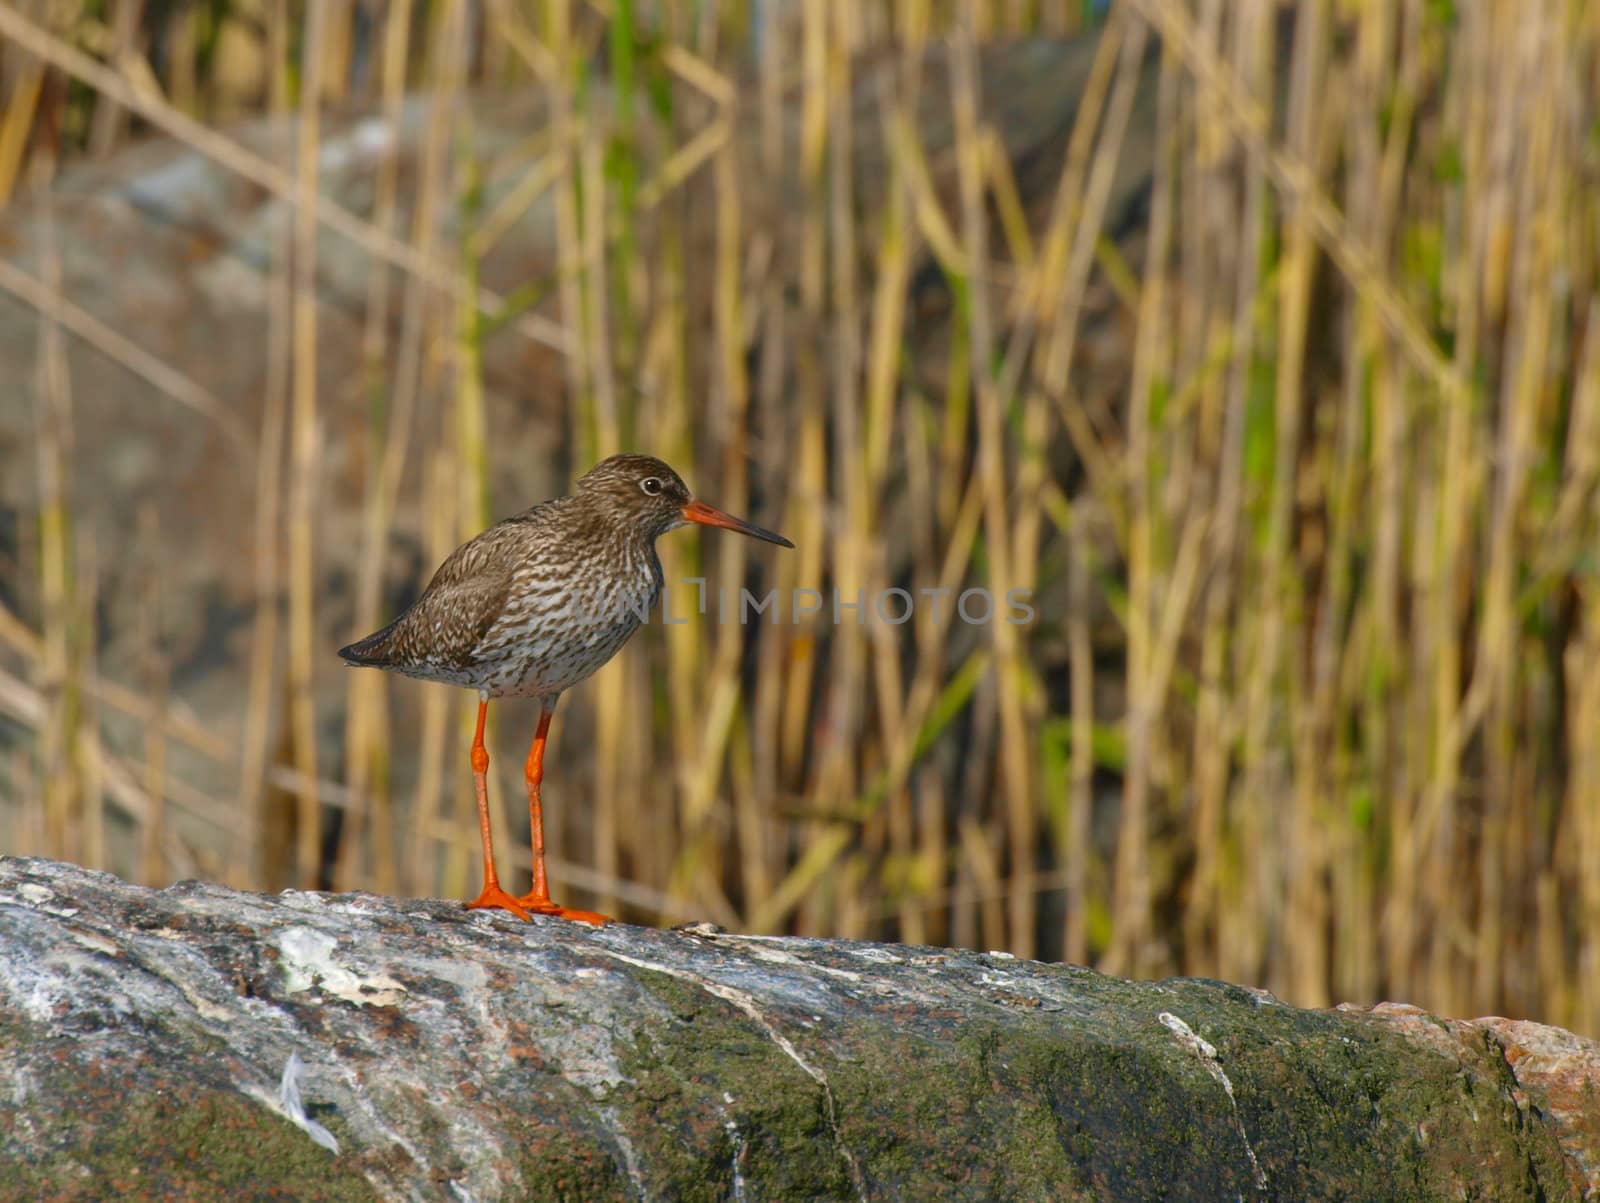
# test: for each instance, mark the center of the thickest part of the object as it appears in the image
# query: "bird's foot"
(494, 898)
(543, 906)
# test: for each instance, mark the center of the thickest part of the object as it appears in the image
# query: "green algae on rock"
(475, 1056)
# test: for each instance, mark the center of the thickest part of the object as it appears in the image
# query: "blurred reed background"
(1256, 340)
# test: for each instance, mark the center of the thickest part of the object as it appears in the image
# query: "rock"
(196, 1042)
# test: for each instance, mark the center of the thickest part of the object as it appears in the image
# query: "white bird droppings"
(308, 961)
(41, 898)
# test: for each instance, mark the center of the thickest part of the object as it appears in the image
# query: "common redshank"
(534, 605)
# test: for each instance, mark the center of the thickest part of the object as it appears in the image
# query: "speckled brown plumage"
(528, 608)
(539, 602)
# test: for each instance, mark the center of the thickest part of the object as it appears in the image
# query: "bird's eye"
(650, 485)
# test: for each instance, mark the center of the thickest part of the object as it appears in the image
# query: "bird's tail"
(372, 652)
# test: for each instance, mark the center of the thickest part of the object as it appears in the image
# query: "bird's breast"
(558, 629)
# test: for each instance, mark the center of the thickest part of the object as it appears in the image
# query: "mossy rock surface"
(145, 1035)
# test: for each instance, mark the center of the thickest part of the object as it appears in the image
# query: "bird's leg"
(493, 895)
(533, 773)
(538, 899)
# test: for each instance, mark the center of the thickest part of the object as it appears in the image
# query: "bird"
(534, 605)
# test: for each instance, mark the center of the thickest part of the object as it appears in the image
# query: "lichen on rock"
(146, 1035)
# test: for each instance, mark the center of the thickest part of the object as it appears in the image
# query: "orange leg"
(493, 895)
(538, 899)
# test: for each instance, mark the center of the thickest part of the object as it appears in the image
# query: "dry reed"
(1298, 464)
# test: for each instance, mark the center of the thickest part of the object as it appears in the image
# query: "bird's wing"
(464, 599)
(445, 626)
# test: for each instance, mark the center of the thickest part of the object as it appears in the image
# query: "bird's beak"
(710, 515)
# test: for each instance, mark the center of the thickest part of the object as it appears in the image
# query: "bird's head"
(650, 495)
